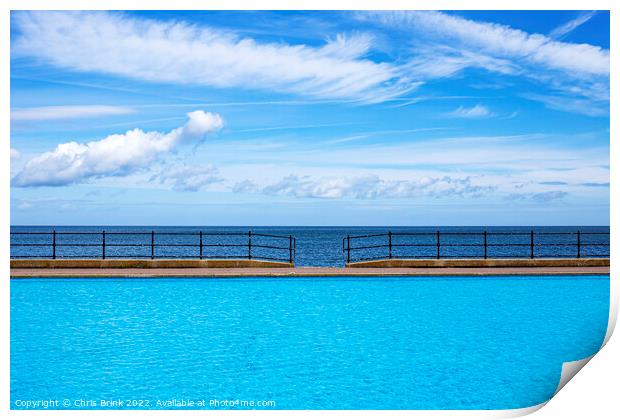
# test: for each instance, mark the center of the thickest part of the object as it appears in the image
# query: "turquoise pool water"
(302, 343)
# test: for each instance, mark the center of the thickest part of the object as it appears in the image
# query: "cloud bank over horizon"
(367, 187)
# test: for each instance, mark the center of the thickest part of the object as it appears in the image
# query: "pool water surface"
(303, 343)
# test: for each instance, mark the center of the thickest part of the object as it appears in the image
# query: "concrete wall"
(147, 264)
(566, 262)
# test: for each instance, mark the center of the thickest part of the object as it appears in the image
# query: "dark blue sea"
(314, 246)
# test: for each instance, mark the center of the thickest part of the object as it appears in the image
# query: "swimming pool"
(302, 343)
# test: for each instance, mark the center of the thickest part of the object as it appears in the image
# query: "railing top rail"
(191, 233)
(31, 233)
(366, 236)
(475, 233)
(270, 235)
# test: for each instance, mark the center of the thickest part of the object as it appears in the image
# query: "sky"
(310, 118)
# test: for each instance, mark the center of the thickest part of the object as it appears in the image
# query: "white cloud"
(15, 154)
(447, 44)
(24, 205)
(510, 164)
(571, 25)
(67, 112)
(441, 45)
(440, 61)
(188, 178)
(571, 104)
(541, 197)
(595, 184)
(369, 187)
(178, 52)
(476, 111)
(245, 186)
(500, 40)
(117, 154)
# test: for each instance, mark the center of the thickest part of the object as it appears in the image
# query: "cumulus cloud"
(476, 111)
(117, 154)
(179, 52)
(368, 187)
(188, 178)
(67, 112)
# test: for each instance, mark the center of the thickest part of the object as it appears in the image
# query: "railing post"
(390, 243)
(532, 244)
(290, 249)
(152, 244)
(103, 244)
(578, 244)
(249, 245)
(438, 246)
(201, 244)
(485, 244)
(54, 244)
(348, 249)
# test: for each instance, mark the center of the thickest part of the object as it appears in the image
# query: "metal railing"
(481, 245)
(154, 245)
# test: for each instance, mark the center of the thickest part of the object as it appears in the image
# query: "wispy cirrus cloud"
(476, 111)
(67, 112)
(585, 106)
(447, 44)
(178, 52)
(117, 154)
(499, 41)
(441, 45)
(571, 25)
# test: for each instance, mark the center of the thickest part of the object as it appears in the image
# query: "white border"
(596, 385)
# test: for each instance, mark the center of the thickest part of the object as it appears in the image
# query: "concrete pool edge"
(301, 272)
(489, 262)
(46, 263)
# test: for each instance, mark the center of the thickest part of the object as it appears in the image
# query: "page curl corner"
(569, 370)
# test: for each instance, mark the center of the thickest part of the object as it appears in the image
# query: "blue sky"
(310, 118)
